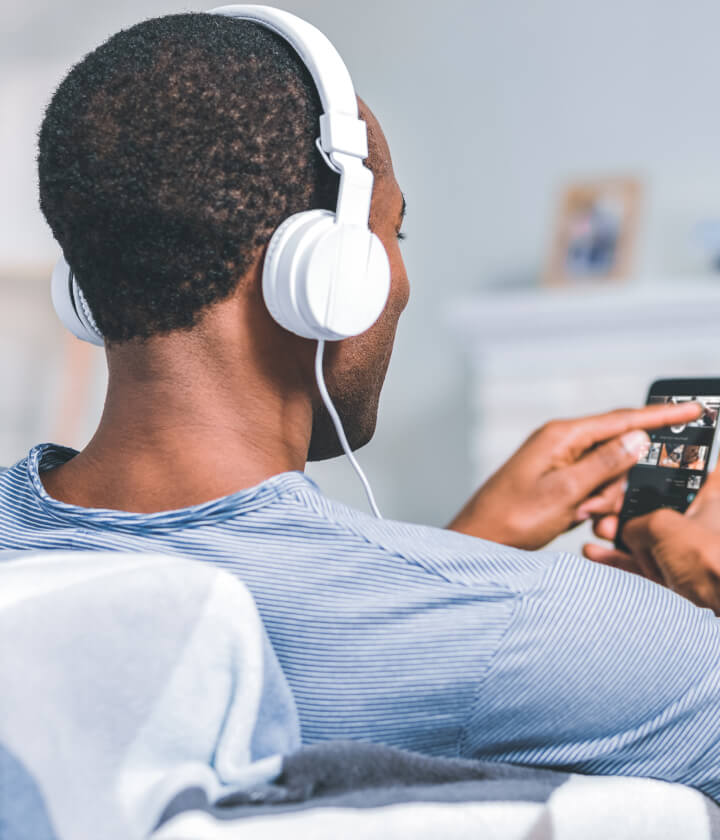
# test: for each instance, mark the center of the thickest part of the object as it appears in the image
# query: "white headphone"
(326, 276)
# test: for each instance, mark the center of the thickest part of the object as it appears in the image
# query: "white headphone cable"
(337, 422)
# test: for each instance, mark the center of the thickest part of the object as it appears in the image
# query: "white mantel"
(535, 355)
(648, 315)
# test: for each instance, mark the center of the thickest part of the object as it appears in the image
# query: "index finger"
(588, 431)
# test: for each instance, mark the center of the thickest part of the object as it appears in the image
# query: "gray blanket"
(351, 788)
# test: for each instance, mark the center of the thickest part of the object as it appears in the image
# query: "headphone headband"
(318, 54)
(343, 137)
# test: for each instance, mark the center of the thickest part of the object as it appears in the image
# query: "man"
(167, 158)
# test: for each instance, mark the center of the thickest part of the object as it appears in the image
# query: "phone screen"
(672, 468)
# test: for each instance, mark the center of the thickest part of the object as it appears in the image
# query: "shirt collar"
(48, 455)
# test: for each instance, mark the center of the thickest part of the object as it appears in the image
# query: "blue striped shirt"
(431, 640)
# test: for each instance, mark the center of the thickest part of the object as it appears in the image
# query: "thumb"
(708, 496)
(644, 533)
(647, 537)
(651, 538)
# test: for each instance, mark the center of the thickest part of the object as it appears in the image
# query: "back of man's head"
(167, 158)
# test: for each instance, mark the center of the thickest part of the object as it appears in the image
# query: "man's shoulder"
(447, 554)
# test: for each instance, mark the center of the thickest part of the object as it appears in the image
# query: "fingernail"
(635, 442)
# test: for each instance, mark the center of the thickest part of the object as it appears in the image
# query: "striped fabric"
(430, 640)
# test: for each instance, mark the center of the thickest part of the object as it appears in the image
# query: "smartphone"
(672, 468)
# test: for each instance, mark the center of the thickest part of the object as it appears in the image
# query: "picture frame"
(595, 232)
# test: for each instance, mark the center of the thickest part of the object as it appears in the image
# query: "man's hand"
(680, 552)
(566, 472)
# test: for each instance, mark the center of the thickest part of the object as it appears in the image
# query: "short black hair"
(167, 158)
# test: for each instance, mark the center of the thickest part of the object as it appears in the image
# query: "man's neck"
(178, 430)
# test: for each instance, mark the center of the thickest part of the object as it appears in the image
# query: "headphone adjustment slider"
(343, 133)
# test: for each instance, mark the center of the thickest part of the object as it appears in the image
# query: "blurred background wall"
(489, 108)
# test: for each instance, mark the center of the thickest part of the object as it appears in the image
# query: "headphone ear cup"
(281, 271)
(348, 280)
(322, 280)
(71, 306)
